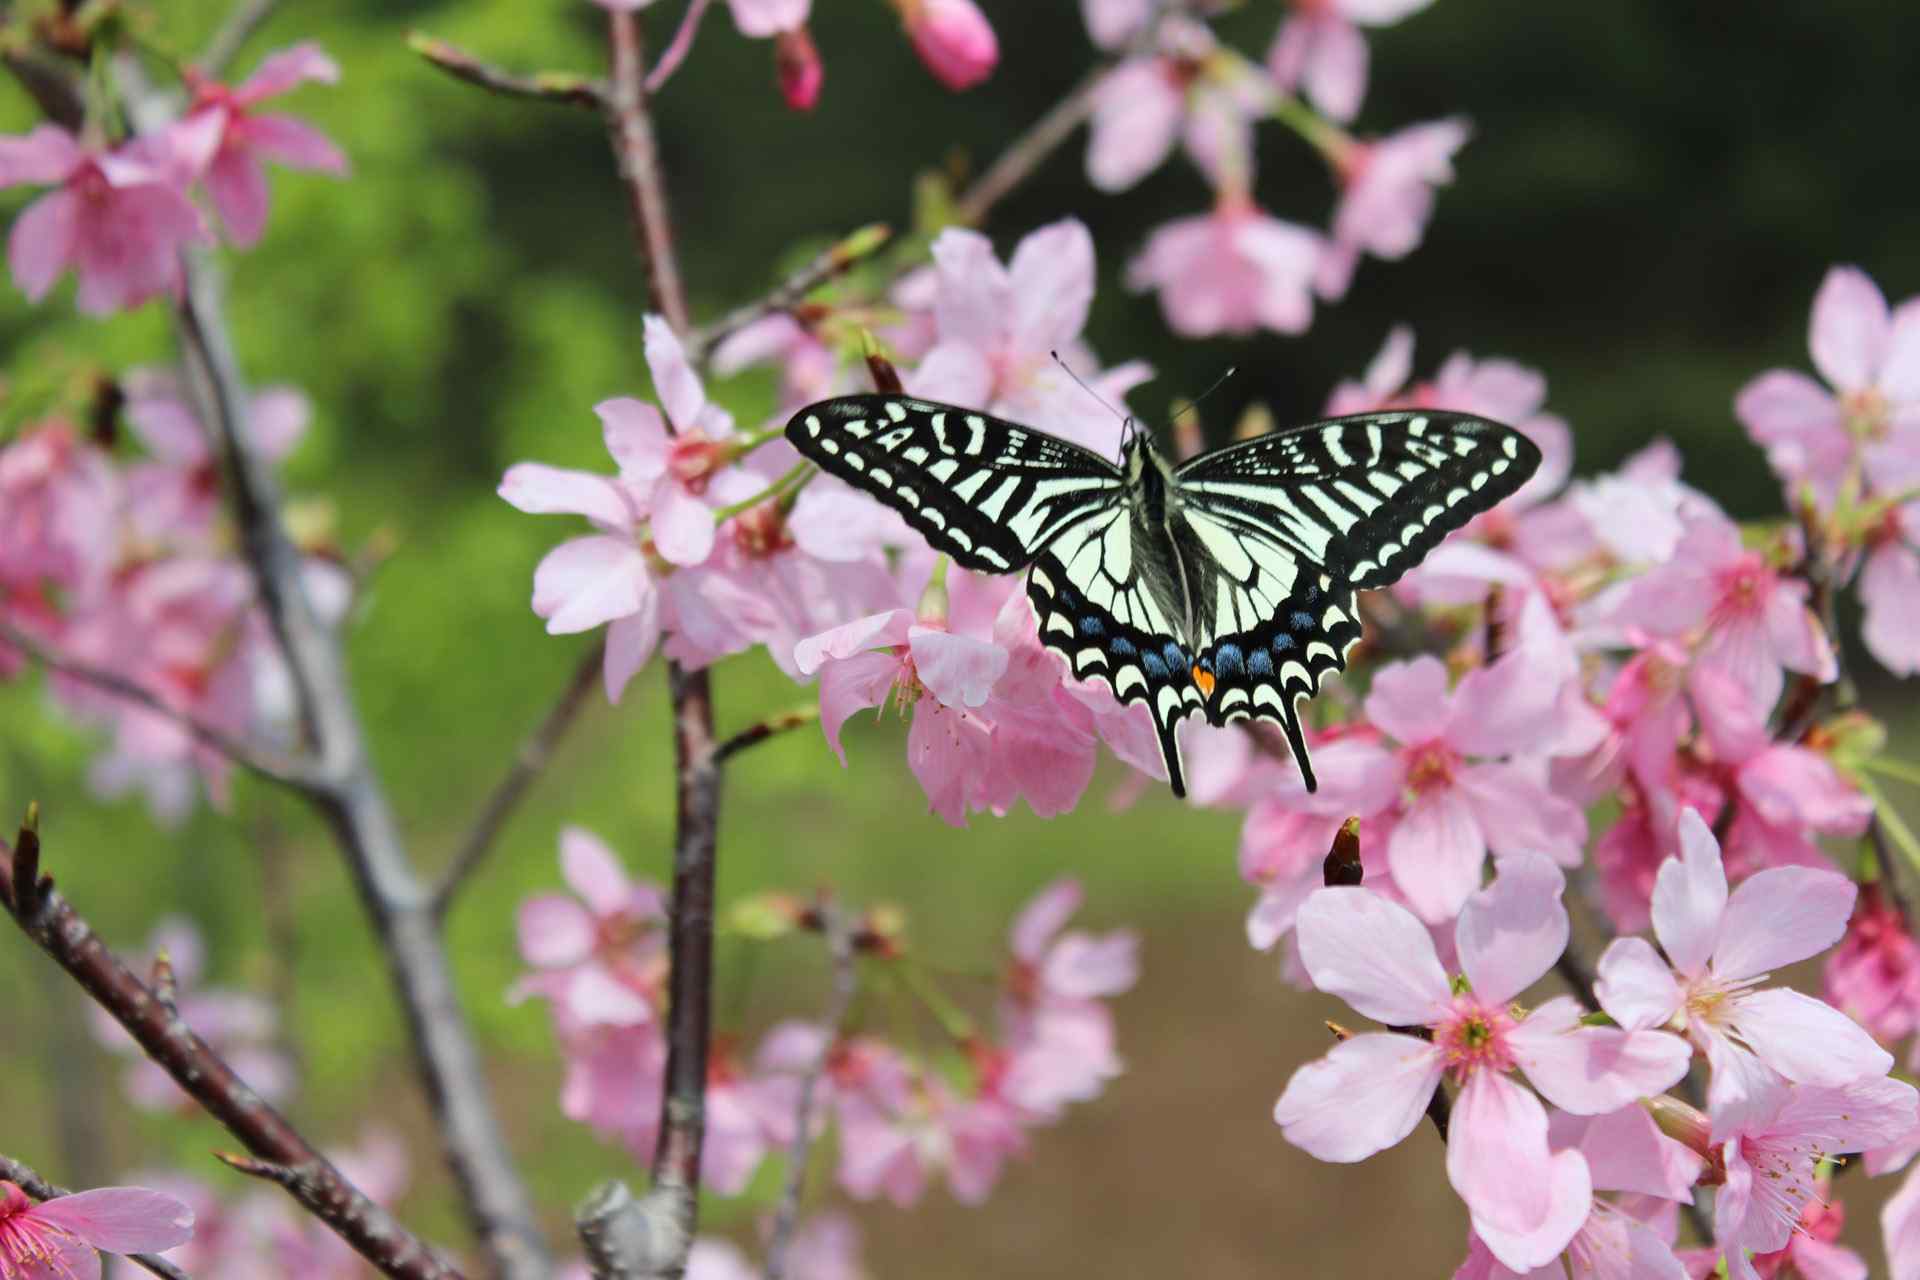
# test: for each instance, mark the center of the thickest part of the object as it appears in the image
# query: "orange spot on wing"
(1204, 679)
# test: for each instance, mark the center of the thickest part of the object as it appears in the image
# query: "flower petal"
(1635, 986)
(1373, 954)
(1362, 1098)
(42, 243)
(958, 670)
(1436, 853)
(1690, 896)
(1510, 933)
(1781, 916)
(1807, 1040)
(1052, 278)
(1850, 327)
(539, 489)
(287, 69)
(1593, 1070)
(295, 144)
(1526, 1203)
(121, 1219)
(555, 931)
(851, 685)
(587, 581)
(674, 380)
(635, 436)
(1409, 700)
(593, 871)
(875, 631)
(630, 643)
(1042, 918)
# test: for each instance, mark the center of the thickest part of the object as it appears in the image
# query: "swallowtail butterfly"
(1223, 586)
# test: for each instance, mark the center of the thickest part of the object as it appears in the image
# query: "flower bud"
(797, 63)
(953, 38)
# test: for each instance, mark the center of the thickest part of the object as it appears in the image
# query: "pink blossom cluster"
(598, 959)
(119, 214)
(125, 565)
(1238, 268)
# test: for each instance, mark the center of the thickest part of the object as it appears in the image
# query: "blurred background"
(1652, 194)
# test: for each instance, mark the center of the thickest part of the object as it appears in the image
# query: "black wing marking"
(1286, 528)
(989, 493)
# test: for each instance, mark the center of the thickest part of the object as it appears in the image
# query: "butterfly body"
(1224, 586)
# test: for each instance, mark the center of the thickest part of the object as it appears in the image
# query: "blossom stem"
(563, 87)
(789, 293)
(678, 48)
(1899, 770)
(38, 1188)
(245, 18)
(45, 916)
(952, 1018)
(793, 480)
(772, 727)
(528, 763)
(839, 934)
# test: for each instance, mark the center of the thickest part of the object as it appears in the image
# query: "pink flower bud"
(953, 38)
(797, 62)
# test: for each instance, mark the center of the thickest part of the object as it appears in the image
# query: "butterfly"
(1223, 586)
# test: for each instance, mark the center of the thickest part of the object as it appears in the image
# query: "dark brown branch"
(772, 726)
(839, 933)
(528, 763)
(547, 86)
(635, 150)
(46, 917)
(234, 34)
(792, 291)
(1017, 163)
(262, 760)
(38, 1188)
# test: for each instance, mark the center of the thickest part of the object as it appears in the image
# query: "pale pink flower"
(898, 1127)
(61, 494)
(58, 1239)
(1772, 1150)
(1889, 588)
(998, 326)
(1190, 90)
(807, 365)
(615, 1077)
(599, 957)
(236, 176)
(1900, 1227)
(953, 38)
(1111, 23)
(1751, 619)
(1721, 947)
(1059, 1035)
(1388, 187)
(1815, 1251)
(1234, 270)
(1463, 797)
(179, 493)
(118, 218)
(1873, 976)
(764, 19)
(1871, 359)
(1526, 1202)
(1319, 48)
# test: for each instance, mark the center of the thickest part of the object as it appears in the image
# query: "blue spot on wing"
(1121, 646)
(1228, 662)
(1154, 665)
(1091, 626)
(1260, 663)
(1302, 621)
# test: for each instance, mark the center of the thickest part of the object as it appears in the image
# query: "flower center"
(1867, 413)
(762, 531)
(1431, 767)
(1474, 1036)
(1741, 589)
(28, 1246)
(1783, 1187)
(692, 458)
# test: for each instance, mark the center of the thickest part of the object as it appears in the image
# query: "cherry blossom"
(1061, 1036)
(58, 1239)
(1190, 89)
(1234, 270)
(1388, 185)
(1320, 49)
(236, 177)
(1873, 976)
(1722, 947)
(179, 492)
(119, 218)
(601, 956)
(1526, 1202)
(1889, 589)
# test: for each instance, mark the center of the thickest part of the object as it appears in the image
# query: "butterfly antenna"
(1194, 403)
(1081, 383)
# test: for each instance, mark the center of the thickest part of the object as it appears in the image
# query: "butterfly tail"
(1169, 731)
(1297, 740)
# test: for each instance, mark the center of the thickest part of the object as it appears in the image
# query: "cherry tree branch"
(45, 916)
(262, 760)
(792, 291)
(528, 763)
(563, 87)
(38, 1188)
(771, 727)
(839, 933)
(1030, 150)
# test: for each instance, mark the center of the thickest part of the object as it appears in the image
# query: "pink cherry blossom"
(119, 218)
(61, 494)
(1526, 1202)
(236, 175)
(1873, 976)
(58, 1239)
(1190, 90)
(807, 365)
(1721, 948)
(953, 38)
(1889, 587)
(998, 326)
(1870, 357)
(1900, 1227)
(898, 1127)
(1234, 270)
(1388, 185)
(1462, 798)
(1111, 23)
(599, 957)
(1773, 1149)
(1060, 1036)
(179, 493)
(1319, 48)
(1814, 1251)
(1751, 619)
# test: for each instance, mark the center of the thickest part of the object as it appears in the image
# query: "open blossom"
(601, 955)
(1722, 947)
(998, 326)
(1188, 89)
(1319, 49)
(236, 176)
(899, 1126)
(1388, 185)
(1889, 588)
(1234, 270)
(119, 218)
(953, 38)
(179, 492)
(59, 1239)
(1526, 1201)
(1061, 1036)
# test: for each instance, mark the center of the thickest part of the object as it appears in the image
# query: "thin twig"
(772, 726)
(839, 933)
(352, 798)
(38, 1188)
(1017, 163)
(233, 35)
(46, 917)
(636, 151)
(264, 761)
(546, 86)
(792, 291)
(528, 763)
(678, 48)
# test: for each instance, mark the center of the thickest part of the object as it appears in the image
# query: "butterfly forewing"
(987, 492)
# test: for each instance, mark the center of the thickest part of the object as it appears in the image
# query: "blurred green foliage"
(1653, 192)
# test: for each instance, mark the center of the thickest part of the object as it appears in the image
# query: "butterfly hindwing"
(987, 492)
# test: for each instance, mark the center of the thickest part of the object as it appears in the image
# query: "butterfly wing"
(987, 492)
(1281, 531)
